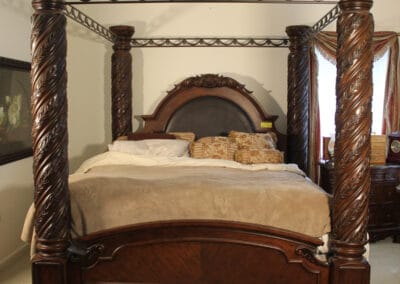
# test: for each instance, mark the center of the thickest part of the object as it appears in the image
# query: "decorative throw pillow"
(213, 150)
(258, 156)
(153, 147)
(246, 140)
(212, 139)
(188, 136)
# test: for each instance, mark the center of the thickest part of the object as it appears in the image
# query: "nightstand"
(384, 203)
(326, 179)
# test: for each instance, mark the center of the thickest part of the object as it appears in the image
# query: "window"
(327, 94)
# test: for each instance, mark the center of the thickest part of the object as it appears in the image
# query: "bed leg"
(348, 266)
(50, 141)
(58, 271)
(49, 272)
(352, 148)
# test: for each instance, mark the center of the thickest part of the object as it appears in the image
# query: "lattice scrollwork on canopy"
(210, 42)
(331, 16)
(102, 31)
(200, 1)
(89, 23)
(85, 20)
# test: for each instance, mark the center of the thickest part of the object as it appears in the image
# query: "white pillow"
(153, 147)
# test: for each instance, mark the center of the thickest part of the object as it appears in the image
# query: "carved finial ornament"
(209, 81)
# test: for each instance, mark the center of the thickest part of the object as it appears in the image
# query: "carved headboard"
(210, 105)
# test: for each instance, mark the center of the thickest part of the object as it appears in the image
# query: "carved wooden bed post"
(298, 96)
(50, 135)
(352, 147)
(121, 81)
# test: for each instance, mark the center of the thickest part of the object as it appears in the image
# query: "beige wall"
(263, 70)
(89, 95)
(86, 59)
(16, 180)
(155, 72)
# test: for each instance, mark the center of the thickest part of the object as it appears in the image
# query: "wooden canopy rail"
(52, 263)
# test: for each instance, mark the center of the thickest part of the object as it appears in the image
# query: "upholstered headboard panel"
(210, 116)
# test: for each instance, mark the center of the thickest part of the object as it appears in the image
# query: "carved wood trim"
(194, 87)
(353, 123)
(299, 86)
(352, 146)
(121, 81)
(209, 81)
(134, 243)
(49, 130)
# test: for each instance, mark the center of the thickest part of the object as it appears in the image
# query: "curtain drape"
(326, 43)
(314, 133)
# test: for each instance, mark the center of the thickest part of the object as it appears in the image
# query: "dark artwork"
(15, 113)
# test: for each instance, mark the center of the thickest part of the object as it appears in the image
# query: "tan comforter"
(115, 189)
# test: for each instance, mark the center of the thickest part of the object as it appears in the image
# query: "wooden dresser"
(384, 203)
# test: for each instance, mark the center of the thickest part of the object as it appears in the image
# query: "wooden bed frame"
(203, 251)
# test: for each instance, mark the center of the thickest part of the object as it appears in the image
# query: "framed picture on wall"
(15, 110)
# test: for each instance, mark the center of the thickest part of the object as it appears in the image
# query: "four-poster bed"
(199, 251)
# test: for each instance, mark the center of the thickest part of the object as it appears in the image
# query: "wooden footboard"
(199, 252)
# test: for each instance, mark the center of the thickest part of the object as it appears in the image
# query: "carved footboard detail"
(205, 252)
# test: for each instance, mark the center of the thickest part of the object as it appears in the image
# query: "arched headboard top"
(204, 103)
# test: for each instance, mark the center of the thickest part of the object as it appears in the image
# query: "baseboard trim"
(13, 257)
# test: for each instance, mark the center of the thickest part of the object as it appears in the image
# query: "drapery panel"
(314, 133)
(326, 43)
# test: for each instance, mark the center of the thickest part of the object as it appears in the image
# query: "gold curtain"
(326, 43)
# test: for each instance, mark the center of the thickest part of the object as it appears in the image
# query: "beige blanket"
(106, 194)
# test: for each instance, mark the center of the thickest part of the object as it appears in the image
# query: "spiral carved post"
(299, 85)
(352, 146)
(50, 135)
(121, 81)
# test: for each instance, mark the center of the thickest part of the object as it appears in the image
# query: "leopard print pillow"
(213, 150)
(254, 140)
(258, 156)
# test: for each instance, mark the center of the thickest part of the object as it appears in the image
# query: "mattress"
(116, 189)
